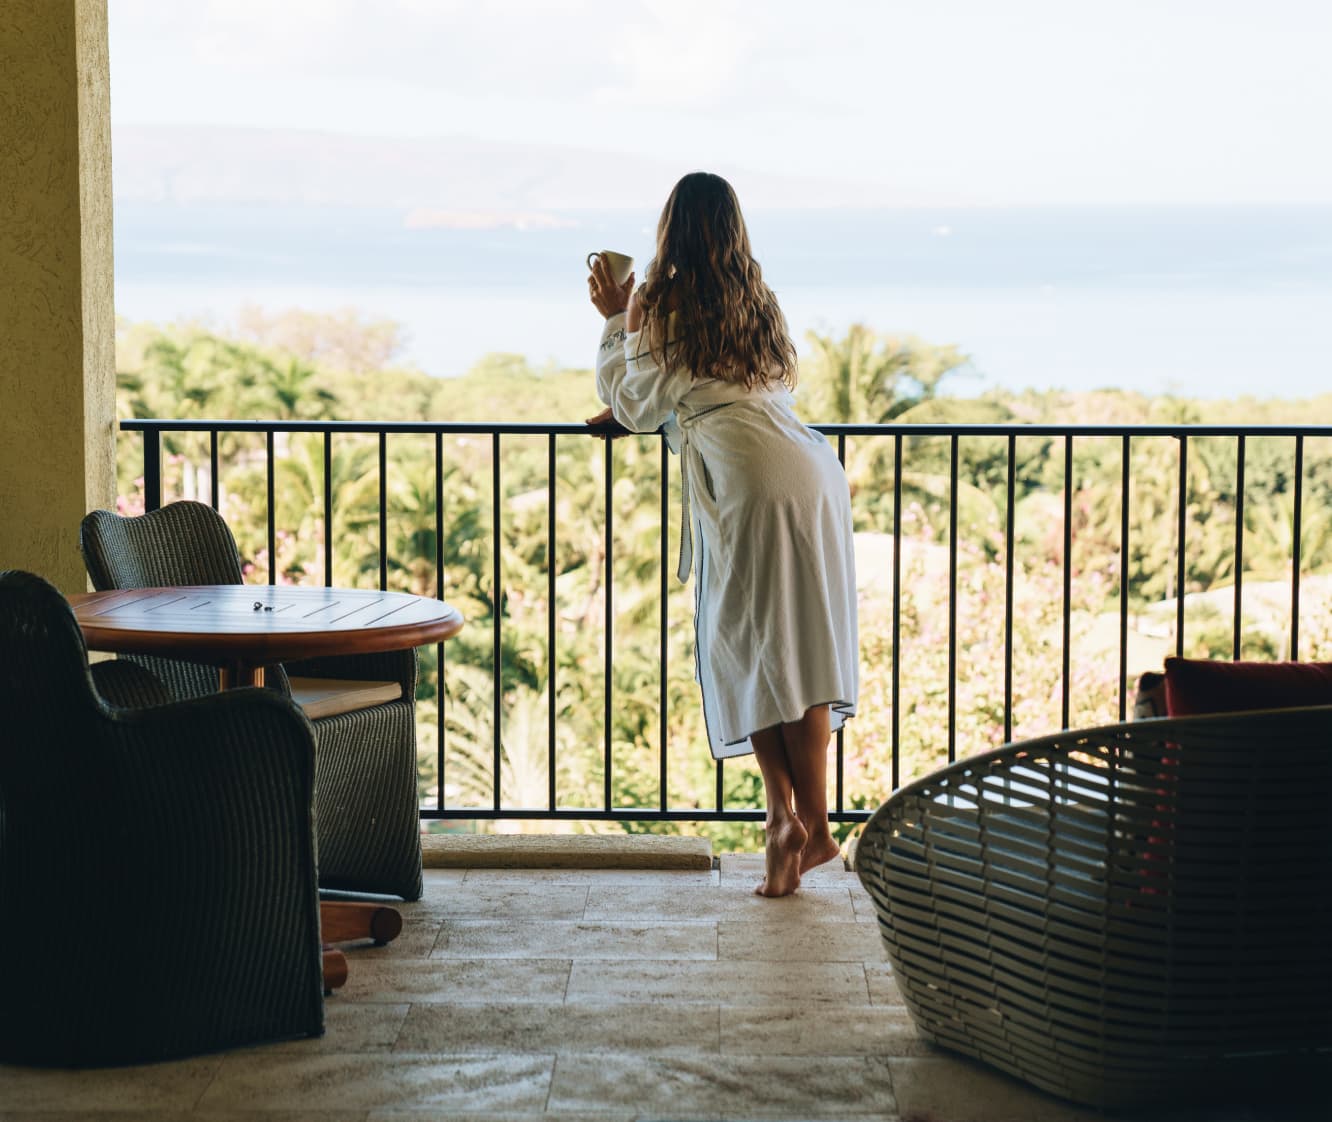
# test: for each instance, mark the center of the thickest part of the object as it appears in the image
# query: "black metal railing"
(1055, 438)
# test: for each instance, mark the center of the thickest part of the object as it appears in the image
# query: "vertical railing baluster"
(897, 612)
(152, 469)
(1295, 543)
(213, 489)
(272, 514)
(439, 595)
(1010, 523)
(1125, 459)
(1068, 581)
(1180, 570)
(840, 778)
(551, 794)
(952, 596)
(383, 510)
(328, 508)
(497, 649)
(1239, 548)
(662, 732)
(609, 694)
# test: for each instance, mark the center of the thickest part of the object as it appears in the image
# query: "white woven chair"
(1121, 916)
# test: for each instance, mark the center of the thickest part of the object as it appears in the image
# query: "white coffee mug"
(619, 264)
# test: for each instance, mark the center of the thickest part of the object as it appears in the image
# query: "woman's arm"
(633, 314)
(645, 394)
(641, 395)
(610, 299)
(610, 357)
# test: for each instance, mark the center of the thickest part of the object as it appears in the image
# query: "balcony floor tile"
(769, 941)
(696, 904)
(647, 1028)
(730, 982)
(493, 939)
(750, 1086)
(819, 1030)
(175, 1087)
(338, 1081)
(592, 995)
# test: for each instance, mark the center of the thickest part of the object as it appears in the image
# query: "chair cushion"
(327, 697)
(1195, 685)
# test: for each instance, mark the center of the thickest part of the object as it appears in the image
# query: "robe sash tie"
(691, 461)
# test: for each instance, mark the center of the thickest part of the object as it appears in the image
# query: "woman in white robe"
(703, 351)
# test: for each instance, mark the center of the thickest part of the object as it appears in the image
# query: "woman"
(702, 348)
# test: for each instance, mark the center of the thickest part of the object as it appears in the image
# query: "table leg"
(344, 921)
(335, 970)
(239, 674)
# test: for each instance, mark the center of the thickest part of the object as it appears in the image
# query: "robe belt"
(687, 454)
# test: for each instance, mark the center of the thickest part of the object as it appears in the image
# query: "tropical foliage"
(584, 727)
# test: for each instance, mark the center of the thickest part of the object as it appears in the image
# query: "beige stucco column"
(57, 314)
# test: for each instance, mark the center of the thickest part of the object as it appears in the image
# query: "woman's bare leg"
(806, 744)
(786, 835)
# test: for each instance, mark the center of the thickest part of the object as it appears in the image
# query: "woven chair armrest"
(225, 785)
(127, 685)
(247, 743)
(381, 666)
(208, 806)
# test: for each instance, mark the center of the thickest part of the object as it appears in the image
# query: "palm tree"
(524, 744)
(294, 390)
(299, 491)
(868, 378)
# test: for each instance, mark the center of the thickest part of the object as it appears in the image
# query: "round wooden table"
(241, 629)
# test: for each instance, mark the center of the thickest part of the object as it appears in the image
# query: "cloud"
(679, 53)
(1030, 100)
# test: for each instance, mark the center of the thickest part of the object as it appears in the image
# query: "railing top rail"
(490, 428)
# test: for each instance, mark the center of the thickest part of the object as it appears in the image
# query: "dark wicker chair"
(157, 867)
(1125, 915)
(367, 811)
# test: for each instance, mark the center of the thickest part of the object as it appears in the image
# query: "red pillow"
(1197, 685)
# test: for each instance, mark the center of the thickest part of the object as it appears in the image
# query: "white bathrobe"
(769, 512)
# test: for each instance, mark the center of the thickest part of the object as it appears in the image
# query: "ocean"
(1206, 302)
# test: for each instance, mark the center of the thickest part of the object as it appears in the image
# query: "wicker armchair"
(367, 812)
(1122, 915)
(157, 869)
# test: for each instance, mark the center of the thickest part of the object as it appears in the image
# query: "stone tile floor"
(597, 996)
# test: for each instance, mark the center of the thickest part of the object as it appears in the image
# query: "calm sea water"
(1208, 302)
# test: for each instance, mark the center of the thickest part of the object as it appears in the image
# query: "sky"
(942, 101)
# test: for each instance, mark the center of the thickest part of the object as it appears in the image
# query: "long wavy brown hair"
(728, 324)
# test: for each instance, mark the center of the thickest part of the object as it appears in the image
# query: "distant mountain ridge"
(213, 164)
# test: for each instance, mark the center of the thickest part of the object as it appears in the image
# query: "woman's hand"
(633, 319)
(606, 421)
(609, 298)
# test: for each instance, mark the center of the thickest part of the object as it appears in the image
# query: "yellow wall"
(57, 311)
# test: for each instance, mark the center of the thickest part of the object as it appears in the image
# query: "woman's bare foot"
(786, 839)
(821, 847)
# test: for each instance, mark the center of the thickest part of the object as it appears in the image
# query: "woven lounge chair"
(1123, 915)
(157, 868)
(367, 812)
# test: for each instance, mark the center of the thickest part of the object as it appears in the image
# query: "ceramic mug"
(620, 264)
